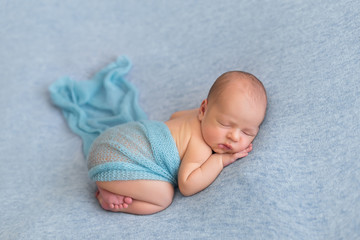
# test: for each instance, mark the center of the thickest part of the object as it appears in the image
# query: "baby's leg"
(148, 196)
(111, 201)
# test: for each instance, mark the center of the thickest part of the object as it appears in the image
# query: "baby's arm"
(199, 167)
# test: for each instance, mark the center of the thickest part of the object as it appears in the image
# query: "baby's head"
(244, 82)
(233, 112)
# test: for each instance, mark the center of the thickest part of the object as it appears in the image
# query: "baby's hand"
(228, 158)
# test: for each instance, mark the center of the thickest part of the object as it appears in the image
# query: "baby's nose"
(234, 135)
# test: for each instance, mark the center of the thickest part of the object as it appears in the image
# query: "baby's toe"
(128, 200)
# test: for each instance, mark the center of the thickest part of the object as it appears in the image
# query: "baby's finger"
(249, 148)
(241, 154)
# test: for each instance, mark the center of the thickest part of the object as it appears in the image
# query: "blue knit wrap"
(107, 105)
(134, 151)
(90, 107)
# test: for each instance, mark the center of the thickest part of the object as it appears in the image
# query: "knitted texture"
(134, 151)
(91, 107)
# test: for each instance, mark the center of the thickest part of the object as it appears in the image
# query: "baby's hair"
(256, 88)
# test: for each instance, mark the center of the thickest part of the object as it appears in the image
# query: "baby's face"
(230, 123)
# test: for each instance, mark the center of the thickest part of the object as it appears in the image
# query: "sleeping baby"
(136, 165)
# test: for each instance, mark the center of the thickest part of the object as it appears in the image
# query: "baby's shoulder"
(196, 139)
(186, 131)
(184, 113)
(197, 150)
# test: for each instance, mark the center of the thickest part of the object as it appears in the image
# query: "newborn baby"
(137, 165)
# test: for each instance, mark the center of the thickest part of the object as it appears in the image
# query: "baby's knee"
(167, 201)
(167, 197)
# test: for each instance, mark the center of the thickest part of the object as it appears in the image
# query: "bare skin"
(111, 201)
(147, 196)
(226, 127)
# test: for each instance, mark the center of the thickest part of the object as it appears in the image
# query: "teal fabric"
(90, 107)
(133, 151)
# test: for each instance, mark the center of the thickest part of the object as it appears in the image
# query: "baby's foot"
(111, 201)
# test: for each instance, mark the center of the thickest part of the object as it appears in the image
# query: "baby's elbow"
(184, 193)
(185, 190)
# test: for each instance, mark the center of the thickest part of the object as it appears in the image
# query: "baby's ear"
(202, 109)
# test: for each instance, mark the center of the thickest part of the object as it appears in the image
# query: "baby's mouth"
(225, 146)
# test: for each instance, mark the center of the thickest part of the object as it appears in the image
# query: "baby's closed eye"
(249, 132)
(224, 123)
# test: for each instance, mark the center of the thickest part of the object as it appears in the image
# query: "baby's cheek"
(215, 133)
(210, 136)
(245, 144)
